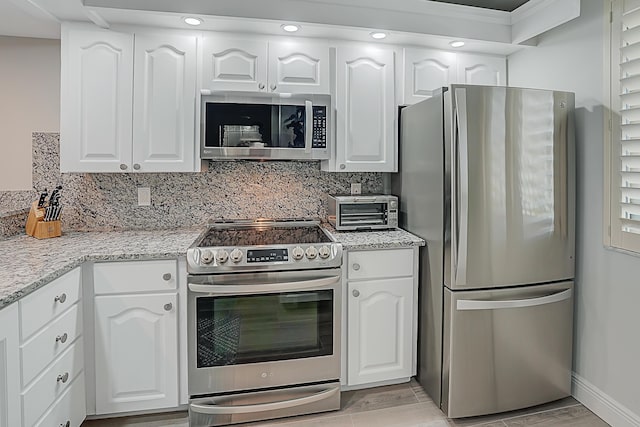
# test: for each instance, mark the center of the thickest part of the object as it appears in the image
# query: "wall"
(228, 190)
(607, 349)
(30, 102)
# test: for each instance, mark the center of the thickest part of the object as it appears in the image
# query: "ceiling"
(505, 5)
(21, 18)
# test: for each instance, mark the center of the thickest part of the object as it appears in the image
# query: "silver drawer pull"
(62, 338)
(67, 424)
(63, 378)
(168, 307)
(356, 266)
(356, 293)
(60, 298)
(166, 276)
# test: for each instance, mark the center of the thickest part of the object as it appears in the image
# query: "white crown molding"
(538, 16)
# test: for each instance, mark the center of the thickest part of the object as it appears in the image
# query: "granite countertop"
(27, 264)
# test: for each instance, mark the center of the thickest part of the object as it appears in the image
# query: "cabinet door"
(10, 415)
(365, 110)
(164, 104)
(425, 71)
(136, 348)
(380, 315)
(482, 70)
(95, 100)
(298, 67)
(234, 64)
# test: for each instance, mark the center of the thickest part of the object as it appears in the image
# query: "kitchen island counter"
(27, 264)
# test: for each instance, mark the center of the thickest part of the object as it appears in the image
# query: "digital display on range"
(267, 255)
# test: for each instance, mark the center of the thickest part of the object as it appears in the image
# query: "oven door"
(251, 331)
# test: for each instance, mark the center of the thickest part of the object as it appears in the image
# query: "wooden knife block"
(38, 227)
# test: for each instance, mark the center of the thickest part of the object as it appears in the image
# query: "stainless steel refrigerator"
(487, 178)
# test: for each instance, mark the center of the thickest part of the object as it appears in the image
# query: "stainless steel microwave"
(265, 126)
(363, 212)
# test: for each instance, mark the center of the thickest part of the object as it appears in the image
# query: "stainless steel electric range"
(264, 300)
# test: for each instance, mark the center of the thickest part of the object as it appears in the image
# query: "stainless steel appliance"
(264, 305)
(263, 126)
(363, 212)
(487, 177)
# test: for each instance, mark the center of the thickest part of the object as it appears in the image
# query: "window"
(624, 155)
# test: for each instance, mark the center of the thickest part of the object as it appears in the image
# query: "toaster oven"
(363, 212)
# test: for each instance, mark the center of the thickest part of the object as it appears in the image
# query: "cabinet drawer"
(135, 276)
(379, 264)
(47, 344)
(70, 407)
(41, 307)
(52, 383)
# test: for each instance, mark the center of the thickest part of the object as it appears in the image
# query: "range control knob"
(311, 252)
(297, 253)
(236, 255)
(222, 256)
(206, 256)
(324, 252)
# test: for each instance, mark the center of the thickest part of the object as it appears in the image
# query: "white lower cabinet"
(10, 415)
(381, 339)
(136, 344)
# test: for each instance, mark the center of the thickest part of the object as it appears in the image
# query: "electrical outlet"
(144, 196)
(356, 188)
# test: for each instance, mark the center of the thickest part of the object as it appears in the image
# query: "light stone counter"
(27, 264)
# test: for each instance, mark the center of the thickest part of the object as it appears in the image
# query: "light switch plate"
(356, 188)
(144, 196)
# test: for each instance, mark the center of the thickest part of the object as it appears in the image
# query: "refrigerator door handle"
(462, 176)
(528, 302)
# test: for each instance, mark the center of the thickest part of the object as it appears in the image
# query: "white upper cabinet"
(164, 104)
(365, 110)
(425, 71)
(482, 70)
(258, 66)
(234, 64)
(114, 121)
(96, 92)
(298, 67)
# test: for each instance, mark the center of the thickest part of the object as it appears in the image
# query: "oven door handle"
(262, 288)
(272, 406)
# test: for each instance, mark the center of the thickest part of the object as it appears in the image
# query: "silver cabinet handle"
(356, 266)
(123, 166)
(166, 277)
(168, 307)
(243, 409)
(261, 86)
(342, 166)
(136, 166)
(62, 338)
(273, 86)
(63, 378)
(356, 293)
(60, 298)
(67, 424)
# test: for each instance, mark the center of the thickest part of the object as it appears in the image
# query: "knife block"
(39, 228)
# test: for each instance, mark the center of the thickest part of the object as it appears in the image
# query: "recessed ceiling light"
(456, 43)
(378, 35)
(290, 28)
(192, 21)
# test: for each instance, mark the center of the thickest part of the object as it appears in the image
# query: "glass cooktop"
(268, 236)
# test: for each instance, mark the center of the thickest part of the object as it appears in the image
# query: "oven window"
(233, 330)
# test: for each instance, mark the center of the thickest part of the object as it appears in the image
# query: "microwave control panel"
(319, 137)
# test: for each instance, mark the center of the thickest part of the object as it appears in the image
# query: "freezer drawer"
(506, 349)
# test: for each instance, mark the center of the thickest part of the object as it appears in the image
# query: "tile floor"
(402, 405)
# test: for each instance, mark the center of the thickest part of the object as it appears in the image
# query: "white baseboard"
(602, 404)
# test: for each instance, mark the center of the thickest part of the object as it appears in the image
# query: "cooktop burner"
(252, 236)
(249, 245)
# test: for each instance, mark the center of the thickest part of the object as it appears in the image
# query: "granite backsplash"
(237, 189)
